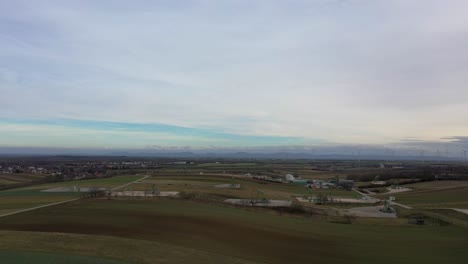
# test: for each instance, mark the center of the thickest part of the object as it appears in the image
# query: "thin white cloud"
(341, 71)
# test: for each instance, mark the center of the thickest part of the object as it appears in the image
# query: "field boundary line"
(464, 211)
(38, 207)
(401, 205)
(67, 201)
(127, 184)
(365, 195)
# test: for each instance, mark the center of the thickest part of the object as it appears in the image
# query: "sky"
(136, 74)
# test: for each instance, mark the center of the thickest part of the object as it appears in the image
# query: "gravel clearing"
(370, 211)
(363, 200)
(228, 186)
(399, 190)
(267, 203)
(144, 194)
(73, 189)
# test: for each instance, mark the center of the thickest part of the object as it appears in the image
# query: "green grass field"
(222, 234)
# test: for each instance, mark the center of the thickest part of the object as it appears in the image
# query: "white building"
(290, 177)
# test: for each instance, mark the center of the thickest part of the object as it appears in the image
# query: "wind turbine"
(438, 155)
(462, 152)
(421, 154)
(386, 152)
(358, 151)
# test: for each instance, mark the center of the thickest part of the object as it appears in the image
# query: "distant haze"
(200, 75)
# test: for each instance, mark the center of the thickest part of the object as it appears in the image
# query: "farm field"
(237, 233)
(25, 257)
(101, 182)
(36, 190)
(233, 132)
(27, 197)
(198, 227)
(203, 185)
(108, 249)
(15, 179)
(436, 194)
(305, 170)
(10, 204)
(437, 185)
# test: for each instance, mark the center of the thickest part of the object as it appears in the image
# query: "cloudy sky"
(232, 73)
